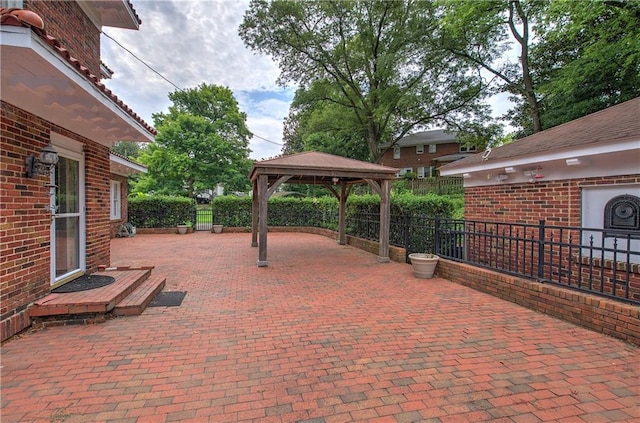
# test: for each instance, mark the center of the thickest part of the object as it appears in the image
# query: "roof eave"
(459, 167)
(38, 80)
(111, 13)
(121, 166)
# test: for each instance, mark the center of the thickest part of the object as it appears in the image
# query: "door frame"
(71, 149)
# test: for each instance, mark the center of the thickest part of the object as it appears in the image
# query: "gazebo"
(338, 174)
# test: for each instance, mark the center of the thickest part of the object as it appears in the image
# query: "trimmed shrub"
(231, 211)
(159, 211)
(404, 203)
(283, 211)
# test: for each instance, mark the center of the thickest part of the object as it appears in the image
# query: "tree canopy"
(202, 141)
(588, 58)
(128, 149)
(380, 60)
(375, 71)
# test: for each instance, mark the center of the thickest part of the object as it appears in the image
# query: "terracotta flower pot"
(423, 264)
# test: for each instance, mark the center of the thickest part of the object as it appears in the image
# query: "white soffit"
(38, 80)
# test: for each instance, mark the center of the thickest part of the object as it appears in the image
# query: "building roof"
(452, 157)
(616, 123)
(315, 167)
(29, 19)
(121, 165)
(435, 136)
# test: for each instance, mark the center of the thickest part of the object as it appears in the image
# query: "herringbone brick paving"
(324, 334)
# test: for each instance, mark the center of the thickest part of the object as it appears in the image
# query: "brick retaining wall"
(602, 315)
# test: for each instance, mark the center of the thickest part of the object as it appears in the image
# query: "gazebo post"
(385, 216)
(319, 168)
(254, 215)
(263, 181)
(342, 237)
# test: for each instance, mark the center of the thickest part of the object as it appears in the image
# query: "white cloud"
(190, 43)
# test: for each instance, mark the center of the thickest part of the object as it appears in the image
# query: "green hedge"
(159, 211)
(283, 211)
(405, 203)
(323, 211)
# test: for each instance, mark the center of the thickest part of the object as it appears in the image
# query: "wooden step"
(94, 301)
(135, 303)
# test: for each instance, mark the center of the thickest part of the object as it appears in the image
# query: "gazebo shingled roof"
(313, 167)
(319, 169)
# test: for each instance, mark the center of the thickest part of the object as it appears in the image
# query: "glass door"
(67, 247)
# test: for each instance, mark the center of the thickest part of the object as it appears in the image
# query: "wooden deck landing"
(131, 292)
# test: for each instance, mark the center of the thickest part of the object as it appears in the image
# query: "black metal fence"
(597, 261)
(202, 219)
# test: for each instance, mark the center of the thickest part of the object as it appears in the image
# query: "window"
(404, 171)
(467, 148)
(116, 202)
(432, 148)
(396, 152)
(420, 172)
(419, 149)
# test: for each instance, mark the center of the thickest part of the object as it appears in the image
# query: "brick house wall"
(558, 202)
(25, 222)
(409, 157)
(68, 23)
(124, 217)
(97, 203)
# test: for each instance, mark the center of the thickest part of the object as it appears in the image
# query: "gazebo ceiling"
(318, 168)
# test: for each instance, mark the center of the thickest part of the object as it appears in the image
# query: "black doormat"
(168, 299)
(84, 283)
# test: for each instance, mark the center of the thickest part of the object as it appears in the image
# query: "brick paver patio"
(324, 334)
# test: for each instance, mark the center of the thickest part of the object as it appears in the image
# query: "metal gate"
(203, 220)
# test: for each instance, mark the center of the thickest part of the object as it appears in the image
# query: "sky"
(189, 43)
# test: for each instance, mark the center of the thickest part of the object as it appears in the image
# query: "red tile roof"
(134, 12)
(127, 159)
(29, 19)
(616, 123)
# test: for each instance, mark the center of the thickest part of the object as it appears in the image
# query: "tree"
(575, 57)
(202, 141)
(483, 32)
(381, 61)
(588, 58)
(128, 149)
(316, 125)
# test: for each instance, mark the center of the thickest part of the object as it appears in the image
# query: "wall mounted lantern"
(44, 164)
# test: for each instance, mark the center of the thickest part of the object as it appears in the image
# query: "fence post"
(436, 235)
(541, 242)
(406, 221)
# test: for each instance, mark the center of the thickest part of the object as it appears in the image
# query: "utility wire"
(166, 79)
(141, 61)
(269, 141)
